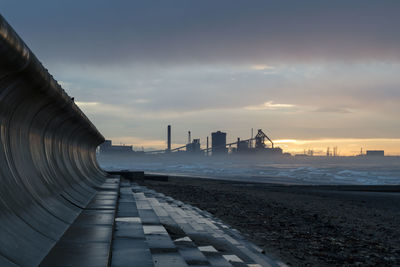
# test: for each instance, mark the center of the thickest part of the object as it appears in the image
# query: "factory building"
(107, 147)
(243, 146)
(218, 142)
(194, 146)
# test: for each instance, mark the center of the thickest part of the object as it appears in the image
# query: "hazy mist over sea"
(290, 170)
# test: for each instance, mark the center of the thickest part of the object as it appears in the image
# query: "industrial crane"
(260, 139)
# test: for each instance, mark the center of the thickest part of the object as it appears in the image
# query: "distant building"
(277, 150)
(193, 146)
(243, 146)
(107, 147)
(218, 142)
(300, 155)
(376, 153)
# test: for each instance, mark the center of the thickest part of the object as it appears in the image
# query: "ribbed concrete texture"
(48, 169)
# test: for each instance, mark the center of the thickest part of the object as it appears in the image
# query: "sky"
(311, 74)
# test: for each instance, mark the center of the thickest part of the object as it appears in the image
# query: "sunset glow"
(314, 81)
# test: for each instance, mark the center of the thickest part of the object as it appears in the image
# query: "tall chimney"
(189, 138)
(251, 140)
(169, 138)
(207, 147)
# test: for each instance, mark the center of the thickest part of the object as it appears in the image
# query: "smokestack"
(169, 138)
(251, 140)
(189, 138)
(207, 146)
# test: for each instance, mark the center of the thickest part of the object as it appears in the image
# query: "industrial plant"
(259, 144)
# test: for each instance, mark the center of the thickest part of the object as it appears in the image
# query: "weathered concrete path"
(130, 225)
(161, 231)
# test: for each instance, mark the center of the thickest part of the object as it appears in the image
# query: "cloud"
(141, 101)
(285, 141)
(221, 31)
(146, 90)
(270, 106)
(262, 67)
(87, 104)
(333, 110)
(136, 66)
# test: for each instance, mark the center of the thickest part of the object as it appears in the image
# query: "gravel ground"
(303, 225)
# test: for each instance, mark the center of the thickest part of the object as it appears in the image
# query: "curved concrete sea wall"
(48, 168)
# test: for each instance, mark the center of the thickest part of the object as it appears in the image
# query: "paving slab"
(131, 252)
(216, 259)
(102, 217)
(127, 213)
(102, 204)
(78, 254)
(160, 243)
(192, 255)
(87, 241)
(128, 230)
(149, 217)
(172, 259)
(201, 239)
(88, 233)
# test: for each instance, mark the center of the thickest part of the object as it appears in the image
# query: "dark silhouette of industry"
(259, 144)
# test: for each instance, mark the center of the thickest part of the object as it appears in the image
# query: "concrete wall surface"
(48, 168)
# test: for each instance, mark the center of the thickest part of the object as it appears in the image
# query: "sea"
(289, 170)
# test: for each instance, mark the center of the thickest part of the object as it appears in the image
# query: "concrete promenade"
(129, 225)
